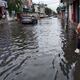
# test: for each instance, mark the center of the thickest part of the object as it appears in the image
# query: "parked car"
(28, 19)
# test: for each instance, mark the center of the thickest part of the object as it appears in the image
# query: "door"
(79, 10)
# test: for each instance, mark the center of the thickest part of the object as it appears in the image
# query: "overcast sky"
(51, 3)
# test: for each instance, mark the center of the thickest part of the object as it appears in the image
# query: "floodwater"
(38, 52)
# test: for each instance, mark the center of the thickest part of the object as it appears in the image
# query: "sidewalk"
(8, 19)
(3, 21)
(72, 26)
(11, 18)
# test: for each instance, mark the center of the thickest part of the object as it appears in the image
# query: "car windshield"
(33, 17)
(28, 17)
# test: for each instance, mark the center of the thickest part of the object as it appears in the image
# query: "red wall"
(74, 11)
(0, 11)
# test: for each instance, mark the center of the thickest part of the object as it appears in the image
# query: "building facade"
(39, 9)
(27, 3)
(73, 10)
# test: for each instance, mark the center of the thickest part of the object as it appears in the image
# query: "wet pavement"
(38, 52)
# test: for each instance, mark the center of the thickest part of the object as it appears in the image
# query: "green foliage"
(14, 5)
(48, 11)
(58, 10)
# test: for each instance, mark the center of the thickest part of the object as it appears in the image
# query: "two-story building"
(27, 4)
(73, 9)
(39, 9)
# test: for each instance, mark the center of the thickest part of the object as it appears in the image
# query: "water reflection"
(17, 43)
(69, 55)
(67, 59)
(24, 43)
(76, 73)
(20, 44)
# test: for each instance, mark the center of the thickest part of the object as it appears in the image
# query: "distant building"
(36, 8)
(39, 9)
(27, 3)
(73, 10)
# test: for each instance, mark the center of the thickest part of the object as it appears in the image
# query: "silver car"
(28, 19)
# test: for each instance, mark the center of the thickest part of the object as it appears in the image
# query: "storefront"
(76, 9)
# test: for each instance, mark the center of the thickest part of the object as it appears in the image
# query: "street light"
(62, 9)
(62, 6)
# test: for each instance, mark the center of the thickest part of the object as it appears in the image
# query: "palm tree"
(14, 5)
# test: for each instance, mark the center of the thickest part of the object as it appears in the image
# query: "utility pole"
(67, 26)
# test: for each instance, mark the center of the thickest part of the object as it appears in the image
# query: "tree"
(54, 13)
(14, 5)
(58, 10)
(48, 11)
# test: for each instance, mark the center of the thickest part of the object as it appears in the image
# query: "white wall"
(70, 13)
(42, 10)
(36, 8)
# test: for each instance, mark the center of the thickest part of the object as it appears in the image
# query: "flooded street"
(38, 52)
